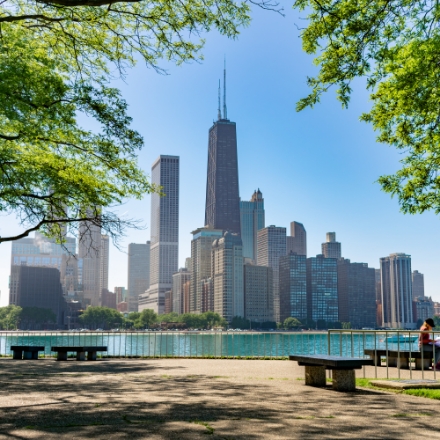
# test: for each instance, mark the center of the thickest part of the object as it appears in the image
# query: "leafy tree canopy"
(395, 45)
(9, 317)
(37, 315)
(290, 323)
(101, 317)
(57, 58)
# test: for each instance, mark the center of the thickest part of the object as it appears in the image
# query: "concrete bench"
(343, 377)
(80, 352)
(25, 351)
(401, 358)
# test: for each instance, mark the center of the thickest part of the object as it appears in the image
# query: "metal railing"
(215, 344)
(392, 350)
(246, 344)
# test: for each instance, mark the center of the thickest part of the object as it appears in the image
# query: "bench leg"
(377, 359)
(344, 380)
(91, 355)
(427, 362)
(315, 376)
(17, 354)
(402, 362)
(62, 356)
(35, 355)
(392, 361)
(80, 355)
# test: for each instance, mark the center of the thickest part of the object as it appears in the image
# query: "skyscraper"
(331, 248)
(251, 220)
(105, 249)
(164, 248)
(138, 273)
(179, 280)
(322, 289)
(396, 282)
(222, 209)
(293, 287)
(89, 250)
(201, 248)
(418, 285)
(42, 251)
(38, 287)
(297, 241)
(227, 276)
(356, 294)
(272, 246)
(258, 293)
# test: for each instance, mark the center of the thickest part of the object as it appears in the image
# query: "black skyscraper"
(222, 195)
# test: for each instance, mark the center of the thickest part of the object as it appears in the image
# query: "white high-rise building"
(164, 247)
(201, 249)
(251, 221)
(179, 280)
(396, 284)
(227, 276)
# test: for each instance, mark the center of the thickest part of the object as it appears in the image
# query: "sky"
(318, 167)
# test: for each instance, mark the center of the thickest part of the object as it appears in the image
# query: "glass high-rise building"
(293, 287)
(258, 293)
(396, 283)
(272, 246)
(222, 209)
(251, 220)
(40, 251)
(322, 289)
(164, 248)
(138, 273)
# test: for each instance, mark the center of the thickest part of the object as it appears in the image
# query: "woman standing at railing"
(427, 344)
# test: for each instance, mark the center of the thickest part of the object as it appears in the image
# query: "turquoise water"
(216, 344)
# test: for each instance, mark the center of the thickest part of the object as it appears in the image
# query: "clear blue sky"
(317, 167)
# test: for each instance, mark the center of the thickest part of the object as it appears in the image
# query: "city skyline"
(317, 167)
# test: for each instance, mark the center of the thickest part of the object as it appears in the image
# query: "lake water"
(211, 344)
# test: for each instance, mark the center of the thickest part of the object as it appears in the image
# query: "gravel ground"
(198, 399)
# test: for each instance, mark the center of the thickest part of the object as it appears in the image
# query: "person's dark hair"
(430, 322)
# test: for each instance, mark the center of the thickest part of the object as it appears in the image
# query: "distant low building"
(423, 308)
(108, 299)
(122, 307)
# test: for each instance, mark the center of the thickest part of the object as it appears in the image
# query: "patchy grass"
(313, 417)
(425, 392)
(210, 429)
(411, 415)
(419, 392)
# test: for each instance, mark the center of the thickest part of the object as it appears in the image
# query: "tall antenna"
(219, 115)
(225, 113)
